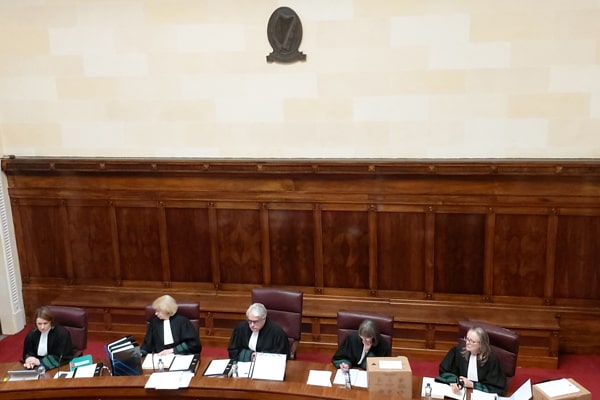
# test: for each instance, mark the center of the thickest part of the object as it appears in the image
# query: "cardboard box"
(390, 376)
(582, 394)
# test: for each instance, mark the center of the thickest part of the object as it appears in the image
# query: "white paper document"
(558, 387)
(440, 390)
(216, 367)
(522, 393)
(358, 378)
(390, 364)
(169, 380)
(319, 378)
(85, 371)
(244, 369)
(181, 362)
(268, 366)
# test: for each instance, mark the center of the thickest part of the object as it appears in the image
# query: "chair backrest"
(504, 343)
(75, 320)
(189, 310)
(284, 307)
(349, 321)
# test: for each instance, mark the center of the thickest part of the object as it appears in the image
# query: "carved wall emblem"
(285, 35)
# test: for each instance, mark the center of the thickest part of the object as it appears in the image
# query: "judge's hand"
(31, 362)
(166, 352)
(344, 367)
(468, 383)
(253, 358)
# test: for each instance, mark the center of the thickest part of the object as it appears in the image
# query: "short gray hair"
(258, 310)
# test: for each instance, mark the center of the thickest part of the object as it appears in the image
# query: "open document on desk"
(268, 366)
(358, 378)
(440, 390)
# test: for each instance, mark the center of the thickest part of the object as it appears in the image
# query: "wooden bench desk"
(294, 387)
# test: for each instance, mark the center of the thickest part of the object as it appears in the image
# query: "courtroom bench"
(423, 329)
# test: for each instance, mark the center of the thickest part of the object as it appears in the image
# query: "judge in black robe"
(58, 349)
(489, 374)
(185, 337)
(356, 347)
(271, 338)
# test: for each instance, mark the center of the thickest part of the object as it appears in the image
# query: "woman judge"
(474, 365)
(169, 332)
(48, 344)
(355, 348)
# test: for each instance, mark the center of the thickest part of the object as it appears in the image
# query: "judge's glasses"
(470, 341)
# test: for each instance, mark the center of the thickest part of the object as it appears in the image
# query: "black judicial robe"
(491, 376)
(186, 339)
(271, 339)
(60, 348)
(350, 351)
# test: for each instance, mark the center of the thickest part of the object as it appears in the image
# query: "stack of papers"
(169, 380)
(319, 378)
(268, 366)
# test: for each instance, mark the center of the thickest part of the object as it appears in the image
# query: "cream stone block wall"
(383, 79)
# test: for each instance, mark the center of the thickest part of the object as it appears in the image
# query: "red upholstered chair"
(75, 320)
(504, 343)
(189, 310)
(349, 321)
(284, 307)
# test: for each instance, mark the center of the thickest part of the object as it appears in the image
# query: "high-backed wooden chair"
(189, 310)
(284, 307)
(504, 343)
(349, 321)
(75, 320)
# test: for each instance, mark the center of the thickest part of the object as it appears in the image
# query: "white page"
(164, 380)
(244, 369)
(167, 360)
(358, 378)
(319, 378)
(522, 393)
(85, 371)
(269, 366)
(559, 387)
(181, 362)
(216, 367)
(390, 364)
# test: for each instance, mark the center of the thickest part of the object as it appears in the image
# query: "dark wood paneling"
(427, 241)
(345, 249)
(401, 251)
(139, 244)
(188, 237)
(578, 258)
(459, 253)
(240, 246)
(291, 234)
(520, 255)
(90, 242)
(42, 248)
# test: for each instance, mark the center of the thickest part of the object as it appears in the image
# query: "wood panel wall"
(431, 242)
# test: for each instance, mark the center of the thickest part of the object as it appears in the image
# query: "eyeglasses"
(255, 321)
(470, 341)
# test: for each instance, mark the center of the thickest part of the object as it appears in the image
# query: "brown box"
(582, 394)
(396, 381)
